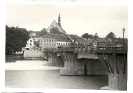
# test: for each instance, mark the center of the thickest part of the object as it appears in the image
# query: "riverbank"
(29, 65)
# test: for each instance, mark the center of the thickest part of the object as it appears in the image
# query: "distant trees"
(16, 38)
(86, 35)
(89, 36)
(55, 30)
(110, 35)
(43, 32)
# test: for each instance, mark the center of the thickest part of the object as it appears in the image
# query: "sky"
(75, 19)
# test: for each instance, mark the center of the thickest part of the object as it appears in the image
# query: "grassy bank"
(12, 58)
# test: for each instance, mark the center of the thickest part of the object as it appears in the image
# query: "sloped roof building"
(55, 24)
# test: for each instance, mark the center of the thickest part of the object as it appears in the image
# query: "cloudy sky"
(75, 19)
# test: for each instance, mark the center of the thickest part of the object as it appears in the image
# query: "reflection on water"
(51, 79)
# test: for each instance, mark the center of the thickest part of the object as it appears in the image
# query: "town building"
(57, 25)
(33, 42)
(54, 40)
(118, 41)
(36, 38)
(47, 41)
(30, 44)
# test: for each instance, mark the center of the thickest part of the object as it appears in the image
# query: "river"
(51, 79)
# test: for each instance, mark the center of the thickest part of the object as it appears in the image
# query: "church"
(55, 24)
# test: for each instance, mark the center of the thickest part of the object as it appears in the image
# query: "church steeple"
(59, 20)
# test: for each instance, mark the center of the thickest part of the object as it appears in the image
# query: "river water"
(51, 79)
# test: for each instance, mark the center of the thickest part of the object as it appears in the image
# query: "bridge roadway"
(105, 59)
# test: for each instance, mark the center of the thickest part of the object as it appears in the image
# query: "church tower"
(59, 20)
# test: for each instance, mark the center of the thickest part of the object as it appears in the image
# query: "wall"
(63, 43)
(47, 43)
(32, 53)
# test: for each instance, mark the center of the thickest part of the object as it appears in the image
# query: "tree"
(16, 38)
(96, 36)
(111, 35)
(55, 30)
(43, 32)
(86, 35)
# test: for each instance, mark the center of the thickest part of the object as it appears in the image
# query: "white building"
(54, 40)
(30, 43)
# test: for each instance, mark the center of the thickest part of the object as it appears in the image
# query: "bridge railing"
(77, 49)
(111, 46)
(89, 48)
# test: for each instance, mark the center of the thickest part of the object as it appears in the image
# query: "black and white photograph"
(66, 46)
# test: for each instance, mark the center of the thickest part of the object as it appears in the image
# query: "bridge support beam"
(53, 60)
(74, 66)
(71, 65)
(116, 66)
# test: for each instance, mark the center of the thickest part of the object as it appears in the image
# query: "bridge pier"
(74, 66)
(116, 66)
(71, 65)
(53, 60)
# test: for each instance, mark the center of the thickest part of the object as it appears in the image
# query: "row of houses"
(53, 40)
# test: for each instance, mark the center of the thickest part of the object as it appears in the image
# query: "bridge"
(106, 59)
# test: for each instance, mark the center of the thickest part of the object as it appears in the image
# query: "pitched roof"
(121, 40)
(88, 42)
(75, 36)
(101, 39)
(58, 25)
(35, 36)
(81, 40)
(85, 42)
(60, 37)
(46, 36)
